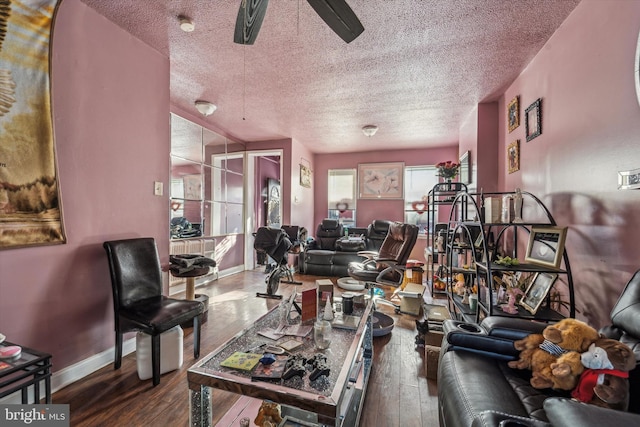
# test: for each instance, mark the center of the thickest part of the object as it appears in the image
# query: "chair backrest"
(328, 231)
(625, 314)
(135, 270)
(400, 240)
(376, 233)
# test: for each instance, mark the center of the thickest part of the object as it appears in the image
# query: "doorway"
(262, 166)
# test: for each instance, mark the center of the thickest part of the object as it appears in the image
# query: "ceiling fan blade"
(339, 17)
(249, 20)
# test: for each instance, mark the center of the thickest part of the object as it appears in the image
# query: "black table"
(30, 368)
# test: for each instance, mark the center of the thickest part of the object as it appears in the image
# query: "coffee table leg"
(200, 407)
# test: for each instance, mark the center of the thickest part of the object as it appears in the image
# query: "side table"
(30, 368)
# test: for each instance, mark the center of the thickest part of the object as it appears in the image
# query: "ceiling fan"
(335, 13)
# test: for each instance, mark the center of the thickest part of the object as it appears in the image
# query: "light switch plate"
(157, 188)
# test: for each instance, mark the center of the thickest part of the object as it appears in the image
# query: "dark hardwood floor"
(399, 394)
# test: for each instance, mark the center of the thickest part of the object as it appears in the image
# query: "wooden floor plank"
(398, 393)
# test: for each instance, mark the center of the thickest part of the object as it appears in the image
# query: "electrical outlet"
(157, 188)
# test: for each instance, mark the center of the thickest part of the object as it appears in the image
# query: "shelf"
(523, 266)
(507, 239)
(462, 308)
(543, 313)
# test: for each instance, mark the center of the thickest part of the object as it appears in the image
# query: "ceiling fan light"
(206, 108)
(369, 130)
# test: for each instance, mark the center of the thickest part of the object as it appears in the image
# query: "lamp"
(205, 107)
(186, 24)
(369, 130)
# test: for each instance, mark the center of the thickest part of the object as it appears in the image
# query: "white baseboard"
(73, 373)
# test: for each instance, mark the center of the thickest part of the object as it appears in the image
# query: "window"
(418, 181)
(341, 188)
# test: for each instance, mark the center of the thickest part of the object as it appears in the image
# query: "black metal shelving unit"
(442, 194)
(505, 236)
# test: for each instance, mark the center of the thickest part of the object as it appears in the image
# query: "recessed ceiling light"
(186, 24)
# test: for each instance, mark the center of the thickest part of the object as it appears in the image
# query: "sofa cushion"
(469, 385)
(320, 256)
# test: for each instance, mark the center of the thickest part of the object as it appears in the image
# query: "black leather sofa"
(329, 253)
(477, 388)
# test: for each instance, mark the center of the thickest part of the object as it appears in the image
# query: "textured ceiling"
(417, 71)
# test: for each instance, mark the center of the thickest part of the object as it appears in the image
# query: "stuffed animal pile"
(554, 356)
(571, 355)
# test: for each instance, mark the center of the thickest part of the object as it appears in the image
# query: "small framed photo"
(533, 120)
(305, 176)
(513, 156)
(513, 114)
(546, 246)
(537, 291)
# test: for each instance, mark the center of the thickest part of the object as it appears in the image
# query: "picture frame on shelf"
(537, 291)
(533, 120)
(513, 114)
(546, 246)
(380, 180)
(513, 156)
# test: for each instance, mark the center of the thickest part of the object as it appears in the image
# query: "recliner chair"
(138, 303)
(387, 266)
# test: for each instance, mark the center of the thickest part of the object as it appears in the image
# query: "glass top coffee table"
(334, 400)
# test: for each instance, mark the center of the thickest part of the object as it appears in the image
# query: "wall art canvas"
(30, 205)
(513, 156)
(380, 180)
(305, 176)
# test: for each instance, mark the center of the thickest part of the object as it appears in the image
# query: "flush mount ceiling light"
(186, 24)
(205, 107)
(369, 130)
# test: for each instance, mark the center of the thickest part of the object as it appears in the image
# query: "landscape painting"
(30, 206)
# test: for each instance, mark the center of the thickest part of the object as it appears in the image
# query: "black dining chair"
(138, 303)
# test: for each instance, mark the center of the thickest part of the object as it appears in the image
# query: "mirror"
(207, 177)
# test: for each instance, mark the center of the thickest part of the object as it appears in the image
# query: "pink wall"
(590, 128)
(302, 198)
(112, 139)
(368, 210)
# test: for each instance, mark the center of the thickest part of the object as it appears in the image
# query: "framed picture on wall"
(533, 120)
(465, 168)
(513, 156)
(513, 114)
(192, 186)
(305, 176)
(380, 180)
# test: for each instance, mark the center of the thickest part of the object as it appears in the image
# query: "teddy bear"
(269, 415)
(459, 286)
(604, 381)
(554, 356)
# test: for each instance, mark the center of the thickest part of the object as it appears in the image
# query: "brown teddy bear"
(268, 415)
(605, 382)
(554, 356)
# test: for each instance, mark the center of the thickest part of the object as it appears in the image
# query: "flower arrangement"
(448, 169)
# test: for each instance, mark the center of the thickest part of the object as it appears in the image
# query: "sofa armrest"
(564, 412)
(501, 419)
(511, 328)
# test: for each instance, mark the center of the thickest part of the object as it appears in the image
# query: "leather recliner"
(477, 388)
